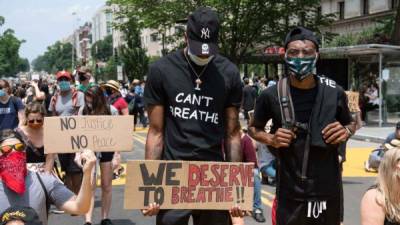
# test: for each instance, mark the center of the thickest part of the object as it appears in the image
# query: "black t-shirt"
(303, 102)
(323, 168)
(194, 119)
(249, 97)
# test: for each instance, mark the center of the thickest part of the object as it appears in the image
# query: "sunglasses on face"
(37, 121)
(8, 148)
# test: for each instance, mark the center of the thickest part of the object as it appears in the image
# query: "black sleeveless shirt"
(386, 222)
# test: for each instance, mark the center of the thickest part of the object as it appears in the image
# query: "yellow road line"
(266, 201)
(272, 196)
(140, 138)
(354, 165)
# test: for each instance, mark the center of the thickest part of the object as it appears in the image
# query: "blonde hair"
(389, 184)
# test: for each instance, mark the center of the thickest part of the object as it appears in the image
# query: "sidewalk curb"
(368, 138)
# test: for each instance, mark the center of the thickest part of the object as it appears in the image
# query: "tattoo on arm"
(155, 136)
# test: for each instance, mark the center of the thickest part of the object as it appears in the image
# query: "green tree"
(57, 57)
(102, 50)
(132, 55)
(9, 56)
(245, 24)
(395, 39)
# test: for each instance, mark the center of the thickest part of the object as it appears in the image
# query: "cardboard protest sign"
(98, 133)
(189, 184)
(353, 98)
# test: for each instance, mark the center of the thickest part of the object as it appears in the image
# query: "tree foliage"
(245, 24)
(132, 56)
(10, 61)
(57, 57)
(102, 50)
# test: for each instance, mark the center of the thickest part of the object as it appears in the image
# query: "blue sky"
(43, 22)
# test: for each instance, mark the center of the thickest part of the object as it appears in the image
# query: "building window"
(394, 4)
(364, 7)
(341, 10)
(154, 37)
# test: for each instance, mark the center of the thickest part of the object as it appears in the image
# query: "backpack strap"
(289, 121)
(45, 193)
(286, 103)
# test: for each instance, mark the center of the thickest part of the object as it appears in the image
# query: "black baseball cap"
(301, 33)
(22, 213)
(202, 31)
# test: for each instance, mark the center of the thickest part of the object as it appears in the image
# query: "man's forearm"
(260, 135)
(233, 148)
(154, 145)
(82, 201)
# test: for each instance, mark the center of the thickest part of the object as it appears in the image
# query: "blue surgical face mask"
(64, 85)
(301, 67)
(2, 93)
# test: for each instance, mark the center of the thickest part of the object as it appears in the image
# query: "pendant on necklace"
(198, 82)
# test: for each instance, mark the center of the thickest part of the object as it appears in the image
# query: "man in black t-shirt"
(308, 175)
(192, 97)
(248, 99)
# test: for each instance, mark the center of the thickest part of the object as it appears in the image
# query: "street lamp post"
(73, 43)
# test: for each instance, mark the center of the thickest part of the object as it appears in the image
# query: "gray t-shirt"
(64, 105)
(34, 195)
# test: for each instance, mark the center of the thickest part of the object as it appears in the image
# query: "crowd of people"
(23, 108)
(295, 128)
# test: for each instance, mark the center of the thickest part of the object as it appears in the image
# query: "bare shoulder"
(372, 212)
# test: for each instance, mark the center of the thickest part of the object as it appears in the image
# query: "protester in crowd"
(32, 135)
(211, 76)
(248, 99)
(372, 100)
(380, 204)
(11, 107)
(249, 155)
(305, 144)
(96, 104)
(375, 157)
(84, 76)
(267, 163)
(47, 99)
(67, 102)
(112, 89)
(124, 89)
(20, 215)
(33, 93)
(21, 187)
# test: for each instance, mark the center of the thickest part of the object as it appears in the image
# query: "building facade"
(102, 23)
(353, 16)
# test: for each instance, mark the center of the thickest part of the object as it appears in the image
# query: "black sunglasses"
(37, 121)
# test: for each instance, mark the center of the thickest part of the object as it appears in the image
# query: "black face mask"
(82, 77)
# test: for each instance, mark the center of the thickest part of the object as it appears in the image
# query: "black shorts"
(200, 217)
(105, 156)
(68, 164)
(291, 212)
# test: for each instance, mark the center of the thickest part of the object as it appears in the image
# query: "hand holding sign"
(189, 185)
(86, 159)
(151, 210)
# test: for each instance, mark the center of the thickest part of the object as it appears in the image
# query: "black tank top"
(35, 155)
(387, 222)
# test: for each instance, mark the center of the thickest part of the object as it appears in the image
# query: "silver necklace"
(198, 81)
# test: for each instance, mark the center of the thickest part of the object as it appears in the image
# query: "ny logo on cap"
(205, 33)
